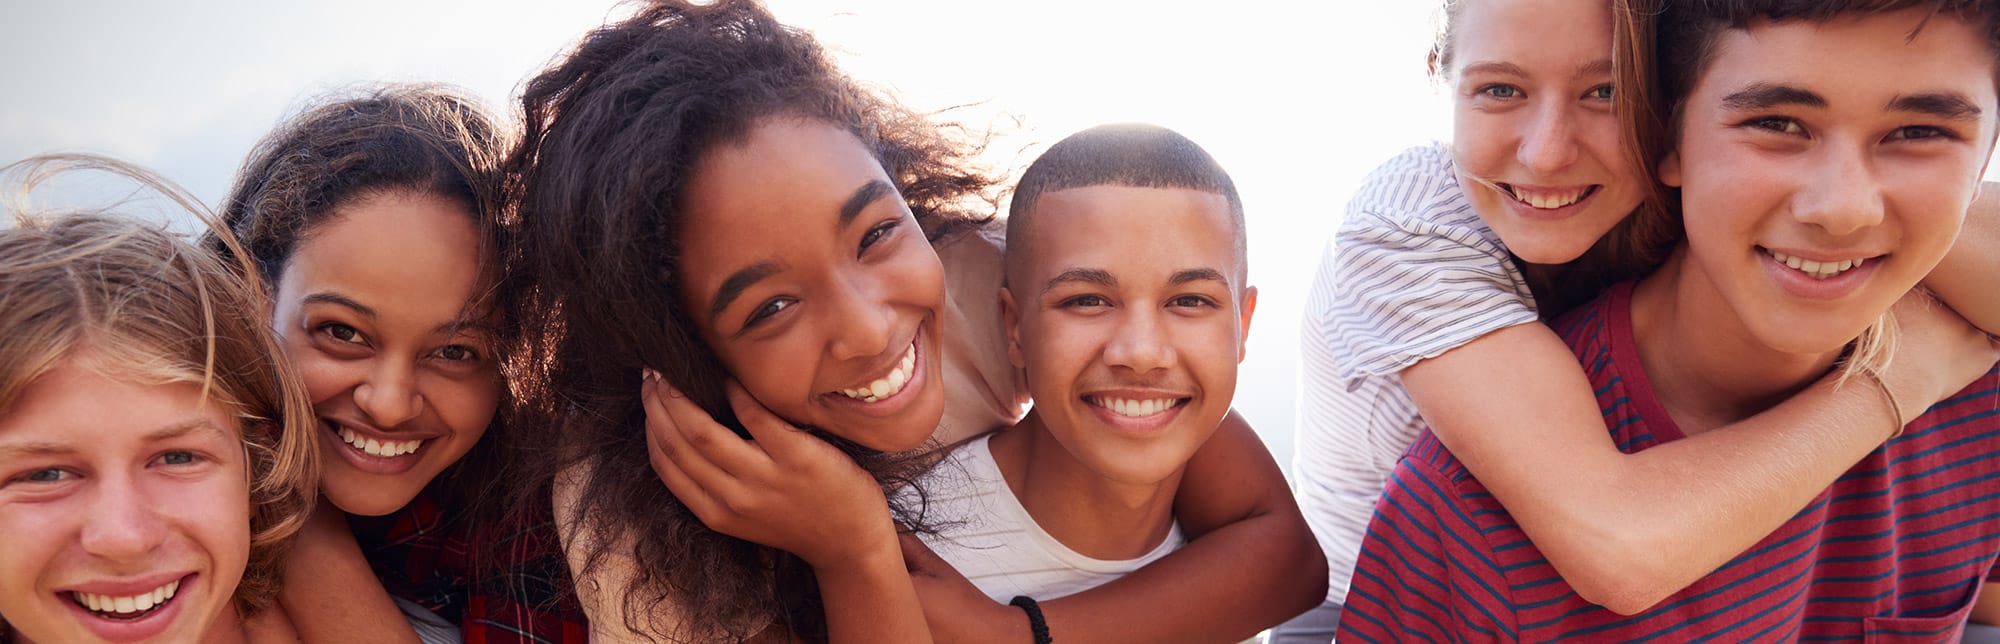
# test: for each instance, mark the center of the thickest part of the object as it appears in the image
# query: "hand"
(784, 488)
(955, 609)
(1938, 353)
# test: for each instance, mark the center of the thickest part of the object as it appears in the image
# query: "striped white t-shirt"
(1412, 273)
(985, 532)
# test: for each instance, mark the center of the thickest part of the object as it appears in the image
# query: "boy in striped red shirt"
(1825, 154)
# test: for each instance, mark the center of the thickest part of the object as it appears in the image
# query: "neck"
(1707, 369)
(1086, 511)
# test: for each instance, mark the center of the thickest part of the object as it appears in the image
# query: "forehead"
(773, 196)
(402, 254)
(1863, 60)
(1140, 230)
(1533, 33)
(77, 407)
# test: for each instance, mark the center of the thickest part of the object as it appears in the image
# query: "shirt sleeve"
(1407, 288)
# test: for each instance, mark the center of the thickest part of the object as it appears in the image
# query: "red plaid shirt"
(503, 583)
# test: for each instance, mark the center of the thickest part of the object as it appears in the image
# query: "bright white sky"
(1298, 100)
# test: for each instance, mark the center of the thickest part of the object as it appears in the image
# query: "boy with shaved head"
(1127, 306)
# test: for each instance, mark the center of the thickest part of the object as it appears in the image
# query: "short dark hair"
(1125, 154)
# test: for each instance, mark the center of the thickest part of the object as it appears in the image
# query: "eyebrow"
(1197, 275)
(739, 281)
(1944, 105)
(162, 434)
(1083, 275)
(1760, 96)
(340, 300)
(867, 194)
(1494, 67)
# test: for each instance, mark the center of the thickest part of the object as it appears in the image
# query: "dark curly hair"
(613, 132)
(423, 138)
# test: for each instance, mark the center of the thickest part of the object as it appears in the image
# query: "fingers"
(775, 435)
(700, 432)
(683, 440)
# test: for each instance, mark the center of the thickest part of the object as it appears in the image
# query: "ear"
(1670, 168)
(1248, 308)
(1013, 322)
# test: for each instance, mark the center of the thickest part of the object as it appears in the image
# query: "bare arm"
(1627, 530)
(330, 594)
(1987, 609)
(1251, 564)
(1970, 272)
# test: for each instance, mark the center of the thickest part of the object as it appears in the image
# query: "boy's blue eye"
(47, 475)
(1501, 91)
(177, 458)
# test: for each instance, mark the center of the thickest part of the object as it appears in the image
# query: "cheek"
(467, 408)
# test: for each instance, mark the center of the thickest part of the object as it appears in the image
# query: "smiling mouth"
(1135, 408)
(375, 447)
(126, 608)
(889, 384)
(1814, 269)
(1548, 199)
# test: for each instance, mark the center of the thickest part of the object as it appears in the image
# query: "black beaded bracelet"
(1035, 621)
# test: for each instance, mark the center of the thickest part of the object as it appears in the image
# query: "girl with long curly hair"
(706, 199)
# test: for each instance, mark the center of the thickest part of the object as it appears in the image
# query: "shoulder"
(1417, 190)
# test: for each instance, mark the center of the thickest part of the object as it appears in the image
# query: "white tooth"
(372, 447)
(1811, 266)
(896, 380)
(1149, 407)
(879, 388)
(142, 602)
(1793, 262)
(1844, 265)
(88, 600)
(1125, 407)
(173, 587)
(159, 595)
(1857, 262)
(347, 435)
(122, 605)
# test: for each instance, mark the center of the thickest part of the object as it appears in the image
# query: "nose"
(1549, 145)
(1141, 343)
(389, 395)
(122, 524)
(864, 319)
(1840, 194)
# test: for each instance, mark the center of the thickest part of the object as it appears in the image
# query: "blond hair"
(149, 306)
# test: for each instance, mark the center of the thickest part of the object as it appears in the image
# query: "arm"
(1966, 278)
(1987, 609)
(330, 594)
(1251, 564)
(1627, 530)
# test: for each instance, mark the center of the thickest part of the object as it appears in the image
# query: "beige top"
(983, 392)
